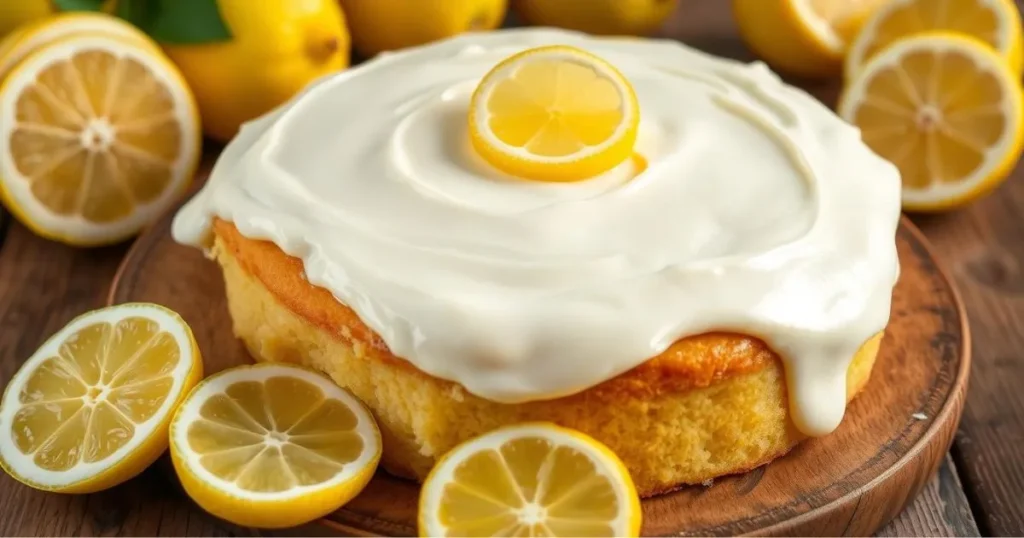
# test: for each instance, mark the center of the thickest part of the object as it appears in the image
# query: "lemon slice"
(33, 36)
(995, 22)
(99, 137)
(273, 445)
(554, 114)
(90, 409)
(943, 108)
(530, 480)
(803, 37)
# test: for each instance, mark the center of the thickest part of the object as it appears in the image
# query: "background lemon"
(277, 47)
(14, 13)
(602, 17)
(381, 25)
(802, 37)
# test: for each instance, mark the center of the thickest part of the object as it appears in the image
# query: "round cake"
(700, 309)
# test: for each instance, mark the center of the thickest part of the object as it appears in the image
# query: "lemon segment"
(273, 445)
(100, 136)
(946, 110)
(530, 480)
(90, 409)
(554, 114)
(803, 37)
(30, 38)
(994, 22)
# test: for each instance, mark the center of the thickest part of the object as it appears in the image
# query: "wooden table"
(979, 489)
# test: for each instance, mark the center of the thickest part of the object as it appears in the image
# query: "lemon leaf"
(79, 5)
(176, 21)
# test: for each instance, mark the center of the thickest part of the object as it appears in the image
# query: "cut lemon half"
(530, 480)
(995, 22)
(804, 37)
(33, 36)
(99, 137)
(90, 409)
(946, 110)
(273, 445)
(554, 114)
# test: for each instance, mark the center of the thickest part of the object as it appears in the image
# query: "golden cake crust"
(692, 362)
(711, 405)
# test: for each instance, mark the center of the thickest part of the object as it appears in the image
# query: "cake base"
(712, 405)
(853, 481)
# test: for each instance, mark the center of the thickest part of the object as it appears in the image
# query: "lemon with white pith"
(90, 409)
(99, 136)
(946, 110)
(997, 23)
(534, 479)
(32, 37)
(273, 445)
(803, 37)
(554, 113)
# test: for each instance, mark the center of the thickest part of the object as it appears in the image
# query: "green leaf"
(176, 21)
(78, 5)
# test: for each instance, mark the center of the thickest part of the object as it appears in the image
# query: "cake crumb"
(707, 483)
(920, 416)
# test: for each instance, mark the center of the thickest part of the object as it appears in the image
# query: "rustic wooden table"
(979, 489)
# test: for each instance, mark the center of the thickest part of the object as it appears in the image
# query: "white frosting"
(761, 212)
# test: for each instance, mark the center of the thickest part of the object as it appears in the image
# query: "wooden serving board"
(851, 482)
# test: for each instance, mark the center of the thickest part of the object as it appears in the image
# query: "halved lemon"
(995, 22)
(804, 37)
(90, 409)
(31, 37)
(273, 445)
(554, 113)
(99, 137)
(534, 479)
(946, 110)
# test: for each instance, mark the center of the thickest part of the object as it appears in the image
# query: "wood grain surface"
(851, 482)
(978, 489)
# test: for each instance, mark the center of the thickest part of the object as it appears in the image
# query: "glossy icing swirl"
(759, 212)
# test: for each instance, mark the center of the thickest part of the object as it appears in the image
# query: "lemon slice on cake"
(530, 480)
(90, 409)
(802, 37)
(994, 22)
(946, 110)
(554, 113)
(99, 136)
(273, 445)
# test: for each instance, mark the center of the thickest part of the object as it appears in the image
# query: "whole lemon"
(277, 48)
(17, 12)
(14, 13)
(381, 25)
(601, 17)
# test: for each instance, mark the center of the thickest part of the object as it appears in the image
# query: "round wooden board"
(851, 482)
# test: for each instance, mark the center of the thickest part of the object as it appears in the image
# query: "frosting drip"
(759, 212)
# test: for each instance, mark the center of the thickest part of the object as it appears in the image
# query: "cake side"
(711, 405)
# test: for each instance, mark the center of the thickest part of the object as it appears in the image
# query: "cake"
(700, 315)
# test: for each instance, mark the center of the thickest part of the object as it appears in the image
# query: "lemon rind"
(1009, 38)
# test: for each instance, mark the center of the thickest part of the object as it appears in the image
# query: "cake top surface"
(759, 212)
